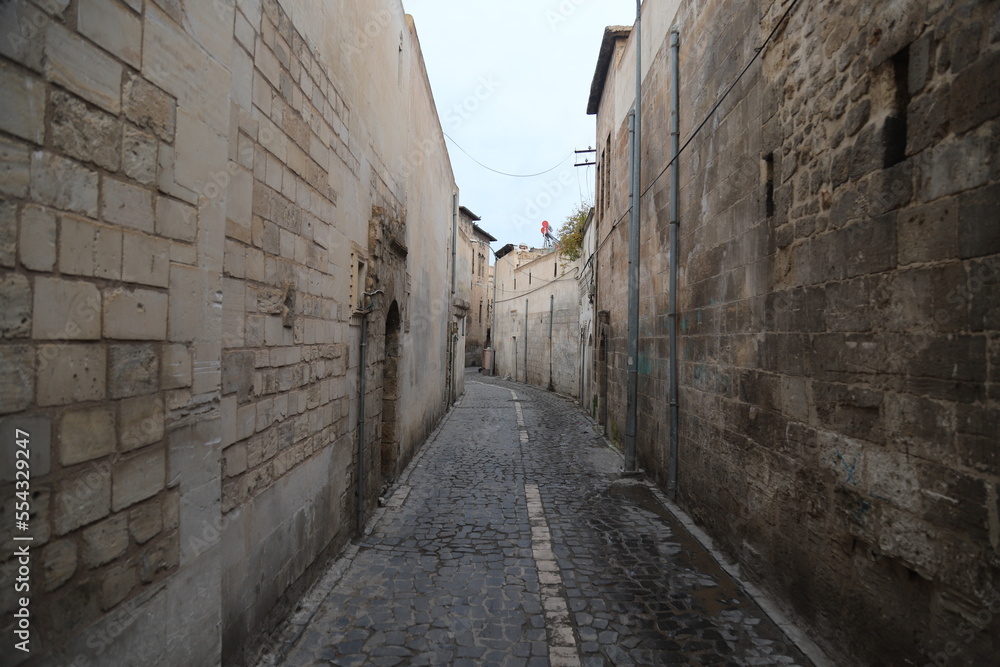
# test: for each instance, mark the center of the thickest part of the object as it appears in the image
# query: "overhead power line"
(504, 173)
(722, 99)
(708, 116)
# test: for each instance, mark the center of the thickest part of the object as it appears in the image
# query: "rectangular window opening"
(769, 184)
(896, 123)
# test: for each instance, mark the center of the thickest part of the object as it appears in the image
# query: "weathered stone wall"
(186, 191)
(838, 291)
(550, 285)
(587, 323)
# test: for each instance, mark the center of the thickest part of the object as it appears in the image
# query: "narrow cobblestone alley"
(513, 540)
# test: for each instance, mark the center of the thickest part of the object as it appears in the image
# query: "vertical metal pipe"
(632, 389)
(361, 423)
(493, 326)
(454, 244)
(552, 305)
(451, 306)
(675, 136)
(525, 341)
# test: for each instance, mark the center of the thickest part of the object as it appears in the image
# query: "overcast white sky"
(511, 81)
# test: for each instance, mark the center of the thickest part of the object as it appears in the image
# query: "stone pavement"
(514, 541)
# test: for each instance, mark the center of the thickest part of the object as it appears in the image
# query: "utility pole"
(632, 388)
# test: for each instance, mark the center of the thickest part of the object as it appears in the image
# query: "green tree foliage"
(570, 235)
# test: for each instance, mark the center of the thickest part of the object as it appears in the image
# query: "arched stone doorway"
(389, 448)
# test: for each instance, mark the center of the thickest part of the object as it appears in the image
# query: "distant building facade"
(477, 248)
(589, 328)
(537, 318)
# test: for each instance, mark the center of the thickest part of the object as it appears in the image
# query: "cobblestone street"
(514, 541)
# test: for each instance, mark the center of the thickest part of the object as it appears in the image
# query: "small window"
(896, 124)
(359, 275)
(769, 184)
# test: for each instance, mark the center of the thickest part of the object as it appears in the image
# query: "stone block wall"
(287, 302)
(186, 191)
(838, 292)
(110, 276)
(551, 288)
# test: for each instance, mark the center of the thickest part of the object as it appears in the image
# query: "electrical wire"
(707, 118)
(613, 227)
(561, 278)
(722, 99)
(504, 173)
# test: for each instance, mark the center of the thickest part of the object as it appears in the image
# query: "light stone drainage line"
(562, 642)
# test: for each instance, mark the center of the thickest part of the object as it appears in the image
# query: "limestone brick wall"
(186, 192)
(550, 286)
(838, 291)
(287, 300)
(111, 258)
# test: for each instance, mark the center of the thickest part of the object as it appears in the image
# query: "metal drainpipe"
(675, 103)
(514, 347)
(633, 257)
(595, 318)
(552, 301)
(451, 306)
(361, 425)
(525, 341)
(362, 362)
(454, 243)
(493, 326)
